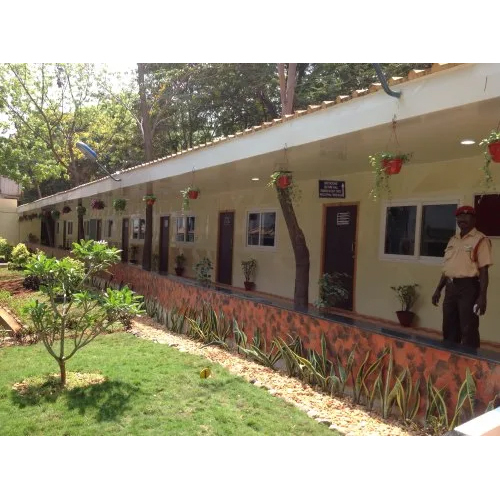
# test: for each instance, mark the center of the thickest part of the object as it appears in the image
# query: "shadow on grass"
(109, 398)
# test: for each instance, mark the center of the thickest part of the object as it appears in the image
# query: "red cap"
(466, 209)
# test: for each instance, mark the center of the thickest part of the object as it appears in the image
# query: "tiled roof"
(312, 108)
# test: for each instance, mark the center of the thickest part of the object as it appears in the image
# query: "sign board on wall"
(331, 189)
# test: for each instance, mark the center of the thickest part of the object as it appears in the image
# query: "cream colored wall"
(9, 225)
(456, 180)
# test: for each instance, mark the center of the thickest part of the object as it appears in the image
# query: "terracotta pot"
(392, 167)
(192, 195)
(249, 285)
(150, 202)
(283, 181)
(405, 317)
(494, 149)
(179, 271)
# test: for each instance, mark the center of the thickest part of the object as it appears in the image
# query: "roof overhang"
(456, 87)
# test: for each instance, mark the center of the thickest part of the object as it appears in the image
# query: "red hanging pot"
(283, 181)
(494, 149)
(192, 195)
(150, 202)
(393, 166)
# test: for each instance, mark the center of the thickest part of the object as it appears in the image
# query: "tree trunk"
(148, 153)
(300, 251)
(81, 233)
(147, 135)
(148, 236)
(62, 369)
(299, 245)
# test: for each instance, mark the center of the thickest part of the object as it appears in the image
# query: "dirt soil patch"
(339, 413)
(15, 287)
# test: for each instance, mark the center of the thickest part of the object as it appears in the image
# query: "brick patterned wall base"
(446, 367)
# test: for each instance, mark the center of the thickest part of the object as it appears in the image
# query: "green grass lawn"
(150, 389)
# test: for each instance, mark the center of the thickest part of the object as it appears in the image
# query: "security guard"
(465, 275)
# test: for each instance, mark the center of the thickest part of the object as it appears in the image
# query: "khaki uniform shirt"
(463, 257)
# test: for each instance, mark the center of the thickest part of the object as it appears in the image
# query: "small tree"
(73, 309)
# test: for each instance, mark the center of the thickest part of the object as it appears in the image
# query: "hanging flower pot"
(149, 199)
(66, 209)
(282, 179)
(392, 167)
(384, 165)
(81, 210)
(119, 204)
(492, 153)
(97, 204)
(55, 214)
(190, 193)
(494, 149)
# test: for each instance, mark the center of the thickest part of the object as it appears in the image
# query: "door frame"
(323, 237)
(218, 244)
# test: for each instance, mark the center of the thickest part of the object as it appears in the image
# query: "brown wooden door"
(164, 242)
(98, 232)
(125, 231)
(225, 251)
(340, 247)
(65, 229)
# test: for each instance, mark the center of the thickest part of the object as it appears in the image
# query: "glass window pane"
(268, 229)
(438, 226)
(142, 229)
(135, 229)
(180, 229)
(190, 229)
(400, 230)
(253, 229)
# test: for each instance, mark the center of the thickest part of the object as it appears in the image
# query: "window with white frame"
(185, 227)
(86, 228)
(417, 230)
(69, 228)
(261, 229)
(138, 229)
(108, 229)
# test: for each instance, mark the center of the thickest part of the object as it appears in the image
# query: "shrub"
(66, 284)
(203, 271)
(19, 257)
(5, 250)
(31, 283)
(331, 290)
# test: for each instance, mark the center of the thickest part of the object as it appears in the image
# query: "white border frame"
(245, 233)
(419, 203)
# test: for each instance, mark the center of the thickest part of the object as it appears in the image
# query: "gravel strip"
(339, 413)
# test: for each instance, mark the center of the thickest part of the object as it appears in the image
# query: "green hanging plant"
(149, 199)
(119, 204)
(384, 165)
(282, 181)
(81, 210)
(190, 193)
(55, 214)
(491, 153)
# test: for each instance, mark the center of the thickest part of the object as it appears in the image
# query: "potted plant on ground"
(149, 199)
(249, 268)
(492, 143)
(66, 209)
(190, 193)
(407, 295)
(331, 290)
(383, 165)
(203, 271)
(119, 204)
(179, 261)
